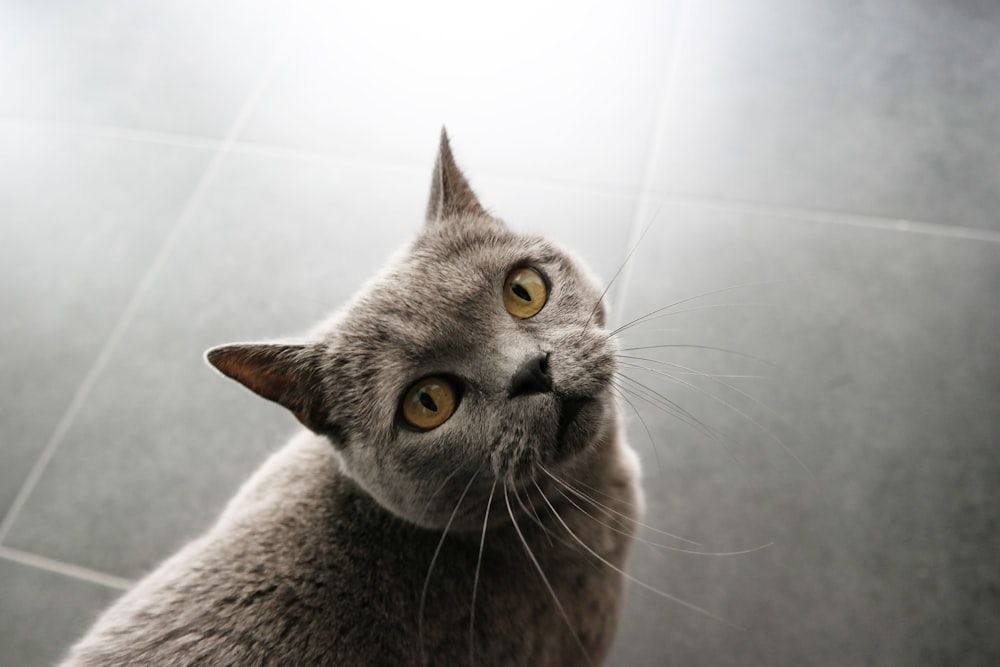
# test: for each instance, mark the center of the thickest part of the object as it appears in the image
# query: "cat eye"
(524, 292)
(430, 402)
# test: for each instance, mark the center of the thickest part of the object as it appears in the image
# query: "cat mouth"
(569, 410)
(571, 424)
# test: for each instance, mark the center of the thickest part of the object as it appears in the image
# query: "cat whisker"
(569, 487)
(658, 545)
(631, 252)
(652, 443)
(608, 496)
(661, 309)
(672, 330)
(545, 579)
(656, 315)
(684, 370)
(619, 528)
(430, 568)
(639, 582)
(475, 579)
(430, 499)
(661, 402)
(735, 409)
(718, 379)
(702, 347)
(694, 371)
(532, 513)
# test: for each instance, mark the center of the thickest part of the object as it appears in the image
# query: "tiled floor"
(182, 175)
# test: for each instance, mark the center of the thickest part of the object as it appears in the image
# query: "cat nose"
(532, 377)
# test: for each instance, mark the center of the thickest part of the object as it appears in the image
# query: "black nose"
(532, 377)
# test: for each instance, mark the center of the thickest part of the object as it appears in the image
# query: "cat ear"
(285, 374)
(450, 192)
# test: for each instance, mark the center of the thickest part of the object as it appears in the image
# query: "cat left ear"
(285, 374)
(450, 191)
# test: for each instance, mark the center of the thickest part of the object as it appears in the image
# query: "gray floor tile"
(887, 390)
(887, 108)
(276, 245)
(886, 343)
(176, 67)
(81, 220)
(570, 98)
(43, 613)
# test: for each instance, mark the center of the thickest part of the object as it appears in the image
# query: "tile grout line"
(174, 139)
(138, 296)
(642, 208)
(821, 216)
(962, 232)
(66, 569)
(114, 132)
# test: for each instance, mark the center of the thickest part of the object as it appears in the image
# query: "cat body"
(462, 494)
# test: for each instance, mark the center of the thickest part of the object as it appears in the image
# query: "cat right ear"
(450, 192)
(283, 373)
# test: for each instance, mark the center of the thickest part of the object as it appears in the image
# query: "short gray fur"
(362, 541)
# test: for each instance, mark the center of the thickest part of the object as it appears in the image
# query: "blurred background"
(820, 185)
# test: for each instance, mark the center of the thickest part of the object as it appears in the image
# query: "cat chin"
(580, 423)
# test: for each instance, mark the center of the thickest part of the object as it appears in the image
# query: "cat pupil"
(520, 292)
(428, 402)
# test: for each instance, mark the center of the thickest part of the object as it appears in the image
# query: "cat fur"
(322, 557)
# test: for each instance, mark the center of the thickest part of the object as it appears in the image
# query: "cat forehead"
(442, 290)
(485, 245)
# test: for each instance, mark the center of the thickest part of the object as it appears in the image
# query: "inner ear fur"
(284, 373)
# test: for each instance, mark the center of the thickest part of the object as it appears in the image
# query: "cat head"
(478, 355)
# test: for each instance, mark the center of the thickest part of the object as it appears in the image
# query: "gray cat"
(463, 493)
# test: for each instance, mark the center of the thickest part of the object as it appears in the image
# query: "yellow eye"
(430, 402)
(524, 292)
